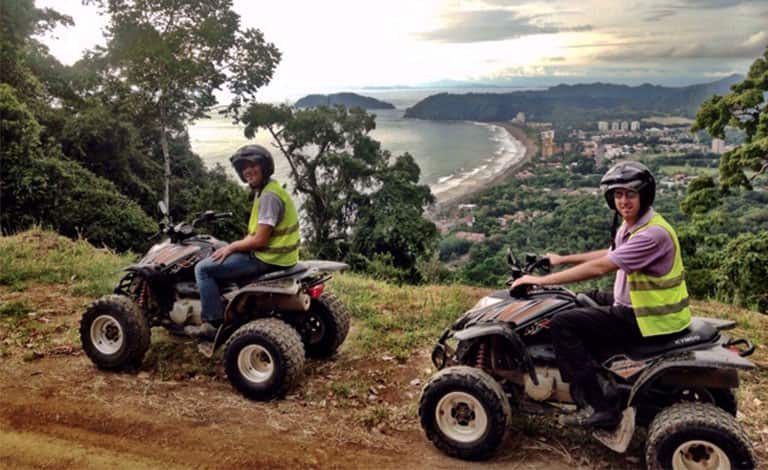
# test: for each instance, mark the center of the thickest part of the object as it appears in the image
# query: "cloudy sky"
(339, 44)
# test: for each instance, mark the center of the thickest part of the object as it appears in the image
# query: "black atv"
(499, 357)
(271, 321)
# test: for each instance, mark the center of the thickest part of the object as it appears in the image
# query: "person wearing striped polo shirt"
(649, 297)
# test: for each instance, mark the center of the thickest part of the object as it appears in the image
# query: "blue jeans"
(208, 273)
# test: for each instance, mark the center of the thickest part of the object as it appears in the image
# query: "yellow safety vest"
(283, 246)
(660, 302)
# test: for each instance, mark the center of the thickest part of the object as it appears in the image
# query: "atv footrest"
(619, 439)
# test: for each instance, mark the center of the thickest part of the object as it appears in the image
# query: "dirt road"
(60, 412)
(358, 410)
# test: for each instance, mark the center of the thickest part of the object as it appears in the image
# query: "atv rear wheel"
(697, 436)
(723, 398)
(325, 326)
(264, 358)
(464, 412)
(114, 333)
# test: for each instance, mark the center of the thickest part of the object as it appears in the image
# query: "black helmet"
(253, 153)
(629, 175)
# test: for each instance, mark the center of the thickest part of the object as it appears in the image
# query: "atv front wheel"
(464, 412)
(697, 436)
(325, 326)
(114, 333)
(264, 358)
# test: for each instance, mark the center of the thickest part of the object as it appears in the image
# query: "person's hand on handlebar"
(555, 259)
(528, 279)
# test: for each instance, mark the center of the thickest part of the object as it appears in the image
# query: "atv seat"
(698, 332)
(295, 269)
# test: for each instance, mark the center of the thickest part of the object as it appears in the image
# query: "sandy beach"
(477, 181)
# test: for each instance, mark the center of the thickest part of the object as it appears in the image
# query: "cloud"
(713, 48)
(493, 25)
(657, 15)
(610, 44)
(715, 4)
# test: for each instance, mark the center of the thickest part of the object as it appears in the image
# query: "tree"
(350, 188)
(702, 196)
(40, 186)
(390, 221)
(722, 262)
(20, 21)
(173, 55)
(741, 276)
(744, 108)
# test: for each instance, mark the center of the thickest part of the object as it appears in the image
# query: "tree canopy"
(744, 108)
(80, 146)
(351, 188)
(174, 54)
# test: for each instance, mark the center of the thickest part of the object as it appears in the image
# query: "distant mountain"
(349, 100)
(569, 104)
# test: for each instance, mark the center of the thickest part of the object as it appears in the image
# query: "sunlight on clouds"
(332, 45)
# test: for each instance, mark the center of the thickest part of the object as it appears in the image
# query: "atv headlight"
(485, 302)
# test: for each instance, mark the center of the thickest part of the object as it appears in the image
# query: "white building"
(634, 126)
(718, 146)
(602, 125)
(624, 126)
(615, 126)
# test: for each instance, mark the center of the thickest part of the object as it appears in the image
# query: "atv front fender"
(518, 349)
(721, 364)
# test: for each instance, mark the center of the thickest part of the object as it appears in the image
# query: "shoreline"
(459, 194)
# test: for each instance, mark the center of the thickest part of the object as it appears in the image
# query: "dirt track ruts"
(63, 413)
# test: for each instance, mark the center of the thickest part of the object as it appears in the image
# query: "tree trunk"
(166, 158)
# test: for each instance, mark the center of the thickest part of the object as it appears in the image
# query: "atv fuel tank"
(512, 310)
(167, 253)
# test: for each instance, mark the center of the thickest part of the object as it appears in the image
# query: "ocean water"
(448, 153)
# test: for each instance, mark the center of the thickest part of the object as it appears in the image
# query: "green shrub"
(741, 277)
(40, 186)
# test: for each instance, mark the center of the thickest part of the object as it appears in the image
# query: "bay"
(450, 154)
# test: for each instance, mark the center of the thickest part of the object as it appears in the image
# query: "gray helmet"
(629, 175)
(253, 153)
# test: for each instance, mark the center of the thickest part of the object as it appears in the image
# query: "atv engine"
(551, 386)
(186, 312)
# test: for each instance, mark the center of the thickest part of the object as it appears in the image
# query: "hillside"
(566, 104)
(357, 410)
(348, 100)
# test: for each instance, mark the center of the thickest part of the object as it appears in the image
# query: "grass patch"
(342, 390)
(399, 319)
(376, 416)
(15, 308)
(45, 257)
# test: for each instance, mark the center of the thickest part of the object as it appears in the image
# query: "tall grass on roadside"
(398, 319)
(40, 256)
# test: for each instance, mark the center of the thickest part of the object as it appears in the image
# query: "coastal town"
(597, 144)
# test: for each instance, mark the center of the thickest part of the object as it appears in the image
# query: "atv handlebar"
(532, 263)
(519, 269)
(184, 230)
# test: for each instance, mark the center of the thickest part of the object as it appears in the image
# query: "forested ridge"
(572, 104)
